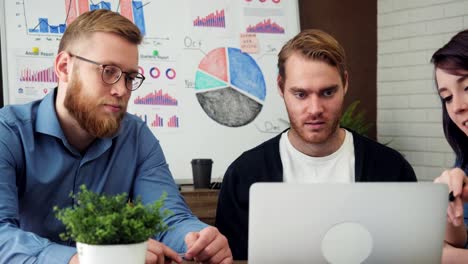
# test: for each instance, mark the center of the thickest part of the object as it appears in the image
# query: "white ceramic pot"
(115, 254)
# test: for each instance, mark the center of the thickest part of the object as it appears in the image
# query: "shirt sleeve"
(152, 180)
(232, 212)
(407, 172)
(17, 245)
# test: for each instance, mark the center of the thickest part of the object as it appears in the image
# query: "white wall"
(409, 112)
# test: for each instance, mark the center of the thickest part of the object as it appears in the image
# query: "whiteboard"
(203, 97)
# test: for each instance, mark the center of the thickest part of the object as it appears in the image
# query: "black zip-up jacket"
(374, 162)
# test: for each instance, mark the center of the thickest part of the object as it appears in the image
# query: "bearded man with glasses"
(81, 134)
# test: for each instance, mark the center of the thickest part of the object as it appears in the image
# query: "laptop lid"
(347, 223)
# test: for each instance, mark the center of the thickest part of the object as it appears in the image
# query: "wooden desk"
(202, 202)
(235, 262)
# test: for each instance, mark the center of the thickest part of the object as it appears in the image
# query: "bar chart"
(42, 75)
(143, 117)
(156, 98)
(158, 121)
(215, 19)
(173, 122)
(266, 26)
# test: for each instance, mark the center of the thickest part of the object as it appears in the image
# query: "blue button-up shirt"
(39, 168)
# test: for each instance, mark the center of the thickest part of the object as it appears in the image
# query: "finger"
(458, 208)
(228, 260)
(190, 240)
(458, 211)
(156, 250)
(222, 256)
(150, 258)
(440, 179)
(154, 246)
(453, 212)
(443, 178)
(456, 179)
(163, 252)
(161, 259)
(450, 212)
(464, 194)
(171, 255)
(218, 245)
(205, 237)
(74, 259)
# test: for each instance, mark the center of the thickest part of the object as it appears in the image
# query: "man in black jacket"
(313, 81)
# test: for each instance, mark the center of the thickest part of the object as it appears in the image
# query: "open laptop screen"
(347, 223)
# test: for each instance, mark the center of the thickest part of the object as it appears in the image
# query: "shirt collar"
(47, 120)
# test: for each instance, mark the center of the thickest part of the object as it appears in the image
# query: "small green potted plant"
(354, 119)
(111, 229)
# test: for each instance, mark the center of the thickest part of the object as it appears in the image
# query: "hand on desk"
(456, 181)
(208, 246)
(157, 253)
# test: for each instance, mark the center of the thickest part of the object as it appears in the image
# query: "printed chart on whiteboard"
(205, 94)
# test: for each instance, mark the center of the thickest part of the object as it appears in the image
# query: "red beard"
(86, 110)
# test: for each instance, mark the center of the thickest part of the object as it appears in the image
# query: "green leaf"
(355, 120)
(103, 220)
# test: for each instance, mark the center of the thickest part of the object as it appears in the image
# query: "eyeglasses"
(111, 74)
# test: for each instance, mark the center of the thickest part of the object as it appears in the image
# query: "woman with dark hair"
(451, 76)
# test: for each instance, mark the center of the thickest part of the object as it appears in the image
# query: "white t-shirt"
(301, 168)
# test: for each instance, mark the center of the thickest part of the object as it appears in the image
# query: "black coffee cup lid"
(202, 161)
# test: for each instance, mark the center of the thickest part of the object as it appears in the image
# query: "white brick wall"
(409, 114)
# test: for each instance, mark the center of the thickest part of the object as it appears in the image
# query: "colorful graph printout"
(156, 98)
(216, 19)
(266, 26)
(131, 9)
(230, 87)
(46, 75)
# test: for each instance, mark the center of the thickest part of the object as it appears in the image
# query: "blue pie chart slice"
(245, 73)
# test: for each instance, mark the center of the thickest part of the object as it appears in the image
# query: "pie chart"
(230, 87)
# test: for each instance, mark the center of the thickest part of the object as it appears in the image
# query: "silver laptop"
(347, 223)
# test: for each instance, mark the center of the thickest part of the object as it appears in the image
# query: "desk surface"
(235, 262)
